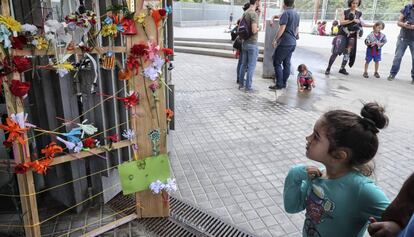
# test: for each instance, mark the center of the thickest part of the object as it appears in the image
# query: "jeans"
(402, 45)
(249, 58)
(282, 56)
(239, 65)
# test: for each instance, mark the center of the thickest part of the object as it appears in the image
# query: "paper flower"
(170, 114)
(21, 168)
(133, 64)
(32, 29)
(158, 62)
(168, 9)
(89, 142)
(125, 74)
(113, 138)
(139, 50)
(109, 30)
(154, 86)
(10, 23)
(50, 150)
(129, 134)
(156, 187)
(19, 89)
(170, 186)
(72, 135)
(151, 73)
(40, 166)
(14, 130)
(87, 128)
(78, 148)
(39, 42)
(131, 100)
(63, 68)
(18, 42)
(141, 18)
(21, 63)
(167, 51)
(69, 145)
(5, 36)
(21, 119)
(152, 50)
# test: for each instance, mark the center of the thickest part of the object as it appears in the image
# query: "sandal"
(365, 75)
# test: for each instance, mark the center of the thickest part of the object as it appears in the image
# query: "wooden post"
(22, 154)
(146, 116)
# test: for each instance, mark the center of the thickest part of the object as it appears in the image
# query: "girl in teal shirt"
(339, 200)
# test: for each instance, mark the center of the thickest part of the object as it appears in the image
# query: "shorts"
(373, 54)
(304, 82)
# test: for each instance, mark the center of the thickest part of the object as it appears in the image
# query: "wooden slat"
(147, 114)
(25, 52)
(84, 154)
(110, 226)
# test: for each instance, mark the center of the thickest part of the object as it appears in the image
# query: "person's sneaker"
(391, 77)
(251, 90)
(327, 71)
(241, 87)
(365, 75)
(343, 71)
(376, 75)
(274, 87)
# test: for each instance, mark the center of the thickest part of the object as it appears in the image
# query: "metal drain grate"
(185, 220)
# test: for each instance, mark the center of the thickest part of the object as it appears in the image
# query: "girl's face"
(378, 28)
(354, 4)
(317, 145)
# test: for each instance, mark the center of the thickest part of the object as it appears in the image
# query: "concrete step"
(225, 46)
(210, 52)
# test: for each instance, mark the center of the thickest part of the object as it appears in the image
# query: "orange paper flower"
(14, 131)
(170, 114)
(50, 150)
(40, 166)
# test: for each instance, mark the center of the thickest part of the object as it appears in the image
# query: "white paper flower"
(69, 145)
(158, 62)
(78, 147)
(151, 73)
(21, 118)
(170, 186)
(62, 72)
(129, 134)
(29, 28)
(87, 128)
(157, 186)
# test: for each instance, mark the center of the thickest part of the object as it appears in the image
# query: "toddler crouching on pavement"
(374, 42)
(305, 78)
(339, 200)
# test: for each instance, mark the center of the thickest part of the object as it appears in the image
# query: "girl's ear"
(342, 154)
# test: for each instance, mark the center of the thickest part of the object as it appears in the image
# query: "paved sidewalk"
(232, 150)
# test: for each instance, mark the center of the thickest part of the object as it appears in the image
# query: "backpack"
(244, 30)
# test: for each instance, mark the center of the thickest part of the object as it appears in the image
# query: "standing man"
(285, 44)
(406, 38)
(230, 20)
(249, 48)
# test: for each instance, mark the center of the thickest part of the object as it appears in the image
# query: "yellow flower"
(109, 30)
(65, 65)
(10, 23)
(141, 18)
(40, 42)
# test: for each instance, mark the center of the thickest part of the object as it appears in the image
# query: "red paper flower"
(167, 51)
(154, 86)
(139, 50)
(133, 64)
(19, 42)
(162, 12)
(21, 168)
(21, 63)
(130, 101)
(113, 138)
(18, 88)
(50, 150)
(89, 142)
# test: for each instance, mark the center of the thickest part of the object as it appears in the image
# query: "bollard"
(268, 69)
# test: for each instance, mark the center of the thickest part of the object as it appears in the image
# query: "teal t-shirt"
(334, 207)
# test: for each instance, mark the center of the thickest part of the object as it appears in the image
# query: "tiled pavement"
(232, 150)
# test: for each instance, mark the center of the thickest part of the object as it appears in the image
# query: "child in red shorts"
(374, 41)
(305, 78)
